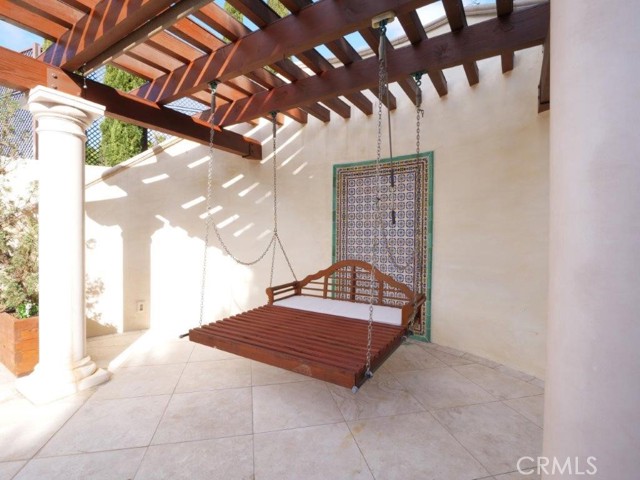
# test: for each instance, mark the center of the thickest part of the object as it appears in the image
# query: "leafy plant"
(120, 141)
(18, 228)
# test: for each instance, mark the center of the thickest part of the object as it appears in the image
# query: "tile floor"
(174, 409)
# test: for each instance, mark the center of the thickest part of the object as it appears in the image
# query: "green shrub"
(18, 234)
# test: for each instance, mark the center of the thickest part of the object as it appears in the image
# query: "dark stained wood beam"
(454, 10)
(544, 88)
(262, 15)
(57, 12)
(24, 73)
(108, 23)
(194, 34)
(145, 32)
(522, 29)
(317, 24)
(347, 55)
(504, 8)
(21, 16)
(218, 19)
(414, 29)
(318, 64)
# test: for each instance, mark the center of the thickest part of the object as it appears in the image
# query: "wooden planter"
(18, 343)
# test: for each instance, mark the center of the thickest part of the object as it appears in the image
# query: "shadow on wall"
(158, 202)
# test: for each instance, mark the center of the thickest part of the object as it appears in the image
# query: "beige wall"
(490, 217)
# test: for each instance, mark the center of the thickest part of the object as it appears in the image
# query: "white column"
(592, 404)
(63, 368)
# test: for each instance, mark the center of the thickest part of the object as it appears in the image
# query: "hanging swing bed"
(337, 325)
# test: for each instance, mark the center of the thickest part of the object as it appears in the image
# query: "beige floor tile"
(108, 425)
(481, 360)
(537, 382)
(494, 434)
(9, 469)
(117, 464)
(497, 384)
(413, 446)
(380, 396)
(532, 408)
(293, 405)
(104, 355)
(146, 380)
(202, 353)
(442, 388)
(162, 353)
(117, 339)
(213, 375)
(206, 415)
(512, 372)
(518, 476)
(25, 428)
(408, 357)
(263, 374)
(218, 459)
(449, 350)
(311, 453)
(448, 358)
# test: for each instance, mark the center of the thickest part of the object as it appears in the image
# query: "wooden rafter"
(23, 73)
(222, 22)
(454, 10)
(414, 29)
(21, 16)
(146, 31)
(108, 23)
(408, 85)
(317, 24)
(522, 29)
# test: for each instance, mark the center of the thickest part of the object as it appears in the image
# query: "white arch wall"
(490, 216)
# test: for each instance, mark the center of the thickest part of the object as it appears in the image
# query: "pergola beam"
(145, 32)
(454, 10)
(108, 23)
(522, 29)
(414, 29)
(317, 24)
(24, 73)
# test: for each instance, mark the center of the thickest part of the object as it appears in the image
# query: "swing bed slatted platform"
(320, 345)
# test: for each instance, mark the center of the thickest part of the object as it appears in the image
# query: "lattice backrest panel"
(350, 280)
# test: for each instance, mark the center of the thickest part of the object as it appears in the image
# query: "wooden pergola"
(180, 46)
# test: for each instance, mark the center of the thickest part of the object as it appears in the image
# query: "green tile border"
(429, 247)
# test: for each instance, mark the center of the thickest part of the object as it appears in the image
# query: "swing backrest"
(350, 280)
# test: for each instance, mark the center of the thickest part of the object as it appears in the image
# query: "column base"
(45, 385)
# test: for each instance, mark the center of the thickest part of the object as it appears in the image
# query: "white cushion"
(382, 314)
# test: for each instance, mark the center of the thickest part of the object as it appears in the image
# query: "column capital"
(44, 102)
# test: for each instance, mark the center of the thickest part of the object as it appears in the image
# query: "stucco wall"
(145, 234)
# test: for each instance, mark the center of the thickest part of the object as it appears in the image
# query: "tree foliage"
(120, 141)
(18, 227)
(233, 11)
(278, 7)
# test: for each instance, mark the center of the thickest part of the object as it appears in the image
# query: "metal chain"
(419, 245)
(382, 89)
(274, 240)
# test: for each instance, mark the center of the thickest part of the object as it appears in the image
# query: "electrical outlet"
(140, 307)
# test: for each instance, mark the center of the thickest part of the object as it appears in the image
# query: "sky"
(15, 38)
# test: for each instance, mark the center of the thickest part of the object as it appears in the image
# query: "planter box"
(18, 343)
